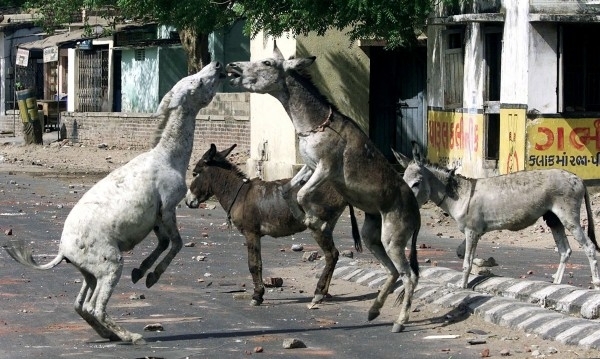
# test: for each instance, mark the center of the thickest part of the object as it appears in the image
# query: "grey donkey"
(120, 210)
(335, 150)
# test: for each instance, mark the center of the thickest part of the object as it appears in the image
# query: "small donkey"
(120, 210)
(513, 201)
(258, 208)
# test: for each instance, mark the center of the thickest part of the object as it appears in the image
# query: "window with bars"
(140, 54)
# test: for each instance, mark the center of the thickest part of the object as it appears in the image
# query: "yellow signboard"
(570, 144)
(512, 140)
(454, 140)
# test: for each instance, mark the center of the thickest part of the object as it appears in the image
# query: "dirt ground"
(63, 157)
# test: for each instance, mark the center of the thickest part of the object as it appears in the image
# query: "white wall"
(271, 128)
(543, 74)
(515, 53)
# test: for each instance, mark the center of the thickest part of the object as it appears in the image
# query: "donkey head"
(267, 75)
(416, 174)
(201, 187)
(193, 92)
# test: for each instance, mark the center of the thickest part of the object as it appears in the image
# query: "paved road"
(197, 301)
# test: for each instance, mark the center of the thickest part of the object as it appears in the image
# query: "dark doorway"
(397, 106)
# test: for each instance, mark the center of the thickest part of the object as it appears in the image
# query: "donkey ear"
(164, 103)
(226, 152)
(277, 53)
(210, 154)
(402, 159)
(416, 151)
(298, 64)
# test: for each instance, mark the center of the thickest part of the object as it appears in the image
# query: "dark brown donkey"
(337, 151)
(258, 208)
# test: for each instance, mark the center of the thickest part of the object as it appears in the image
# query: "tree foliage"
(395, 21)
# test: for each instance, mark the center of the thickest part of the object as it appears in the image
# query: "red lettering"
(549, 139)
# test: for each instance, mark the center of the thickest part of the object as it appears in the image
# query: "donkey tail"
(414, 263)
(23, 255)
(588, 209)
(355, 231)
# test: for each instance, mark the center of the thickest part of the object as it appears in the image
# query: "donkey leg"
(371, 235)
(305, 196)
(104, 289)
(396, 232)
(165, 231)
(255, 267)
(471, 239)
(588, 248)
(106, 269)
(163, 244)
(88, 286)
(325, 241)
(564, 250)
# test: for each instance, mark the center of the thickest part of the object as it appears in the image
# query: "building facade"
(514, 85)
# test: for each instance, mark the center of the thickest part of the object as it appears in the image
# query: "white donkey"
(124, 207)
(513, 201)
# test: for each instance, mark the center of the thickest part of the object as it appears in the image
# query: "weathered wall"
(224, 122)
(341, 72)
(543, 62)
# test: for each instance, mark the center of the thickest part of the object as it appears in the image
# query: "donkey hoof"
(397, 328)
(256, 302)
(318, 298)
(151, 279)
(373, 314)
(137, 339)
(136, 275)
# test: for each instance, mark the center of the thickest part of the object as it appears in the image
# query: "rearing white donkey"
(123, 208)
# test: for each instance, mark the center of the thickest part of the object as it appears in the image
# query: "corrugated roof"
(54, 40)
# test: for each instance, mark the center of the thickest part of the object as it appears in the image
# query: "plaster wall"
(543, 74)
(272, 136)
(435, 89)
(515, 52)
(139, 81)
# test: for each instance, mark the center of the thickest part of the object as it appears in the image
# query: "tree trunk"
(196, 46)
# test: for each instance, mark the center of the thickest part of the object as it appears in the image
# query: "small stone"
(273, 282)
(135, 296)
(293, 344)
(530, 272)
(103, 145)
(258, 349)
(504, 352)
(297, 247)
(427, 260)
(310, 256)
(551, 350)
(8, 232)
(204, 235)
(485, 353)
(156, 327)
(189, 244)
(347, 253)
(200, 258)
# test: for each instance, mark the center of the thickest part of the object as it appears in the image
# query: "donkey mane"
(455, 181)
(222, 162)
(305, 79)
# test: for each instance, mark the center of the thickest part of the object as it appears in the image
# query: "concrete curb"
(555, 312)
